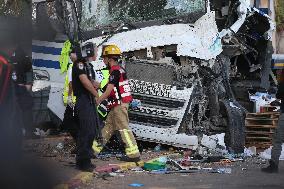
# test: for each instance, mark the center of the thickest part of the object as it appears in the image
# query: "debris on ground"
(41, 132)
(213, 141)
(261, 99)
(136, 185)
(215, 158)
(249, 152)
(157, 148)
(60, 146)
(266, 154)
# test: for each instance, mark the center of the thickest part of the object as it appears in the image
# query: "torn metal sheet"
(198, 40)
(213, 141)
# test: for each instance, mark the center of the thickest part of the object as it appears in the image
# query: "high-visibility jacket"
(102, 108)
(66, 89)
(122, 92)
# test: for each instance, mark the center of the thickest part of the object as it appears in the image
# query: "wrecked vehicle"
(189, 62)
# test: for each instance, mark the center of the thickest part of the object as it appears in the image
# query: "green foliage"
(280, 14)
(14, 7)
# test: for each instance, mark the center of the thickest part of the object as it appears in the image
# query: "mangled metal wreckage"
(181, 57)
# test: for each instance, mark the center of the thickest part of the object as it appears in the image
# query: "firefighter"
(70, 120)
(119, 96)
(82, 76)
(279, 133)
(23, 77)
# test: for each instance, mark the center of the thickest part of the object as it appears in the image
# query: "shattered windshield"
(98, 13)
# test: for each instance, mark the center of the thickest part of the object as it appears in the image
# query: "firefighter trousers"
(278, 139)
(117, 120)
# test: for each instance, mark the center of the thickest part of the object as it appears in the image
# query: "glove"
(135, 104)
(70, 102)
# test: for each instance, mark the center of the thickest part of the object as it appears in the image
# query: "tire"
(235, 131)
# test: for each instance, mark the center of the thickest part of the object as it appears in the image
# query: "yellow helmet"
(110, 50)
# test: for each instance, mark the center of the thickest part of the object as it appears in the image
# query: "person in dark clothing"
(84, 90)
(10, 114)
(70, 121)
(278, 135)
(23, 77)
(18, 170)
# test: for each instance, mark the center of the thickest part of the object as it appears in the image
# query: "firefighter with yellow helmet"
(119, 96)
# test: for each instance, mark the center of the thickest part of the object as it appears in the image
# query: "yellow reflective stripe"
(102, 113)
(127, 137)
(104, 82)
(132, 149)
(96, 147)
(73, 98)
(278, 64)
(66, 89)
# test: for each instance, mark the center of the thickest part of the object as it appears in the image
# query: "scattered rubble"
(41, 133)
(262, 99)
(136, 185)
(213, 141)
(167, 160)
(266, 154)
(249, 152)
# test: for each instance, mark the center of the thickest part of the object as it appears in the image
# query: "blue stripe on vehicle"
(46, 50)
(46, 63)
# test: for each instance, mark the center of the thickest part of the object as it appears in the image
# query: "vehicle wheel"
(235, 131)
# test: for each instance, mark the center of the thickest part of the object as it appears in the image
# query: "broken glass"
(98, 13)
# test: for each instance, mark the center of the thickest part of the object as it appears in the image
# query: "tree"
(280, 15)
(14, 7)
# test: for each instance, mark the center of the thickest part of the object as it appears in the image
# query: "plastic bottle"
(224, 170)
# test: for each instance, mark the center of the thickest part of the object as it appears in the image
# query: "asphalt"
(250, 178)
(244, 175)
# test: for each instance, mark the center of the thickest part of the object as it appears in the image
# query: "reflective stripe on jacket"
(122, 92)
(66, 89)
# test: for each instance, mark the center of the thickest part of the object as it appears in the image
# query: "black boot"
(128, 159)
(85, 165)
(272, 168)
